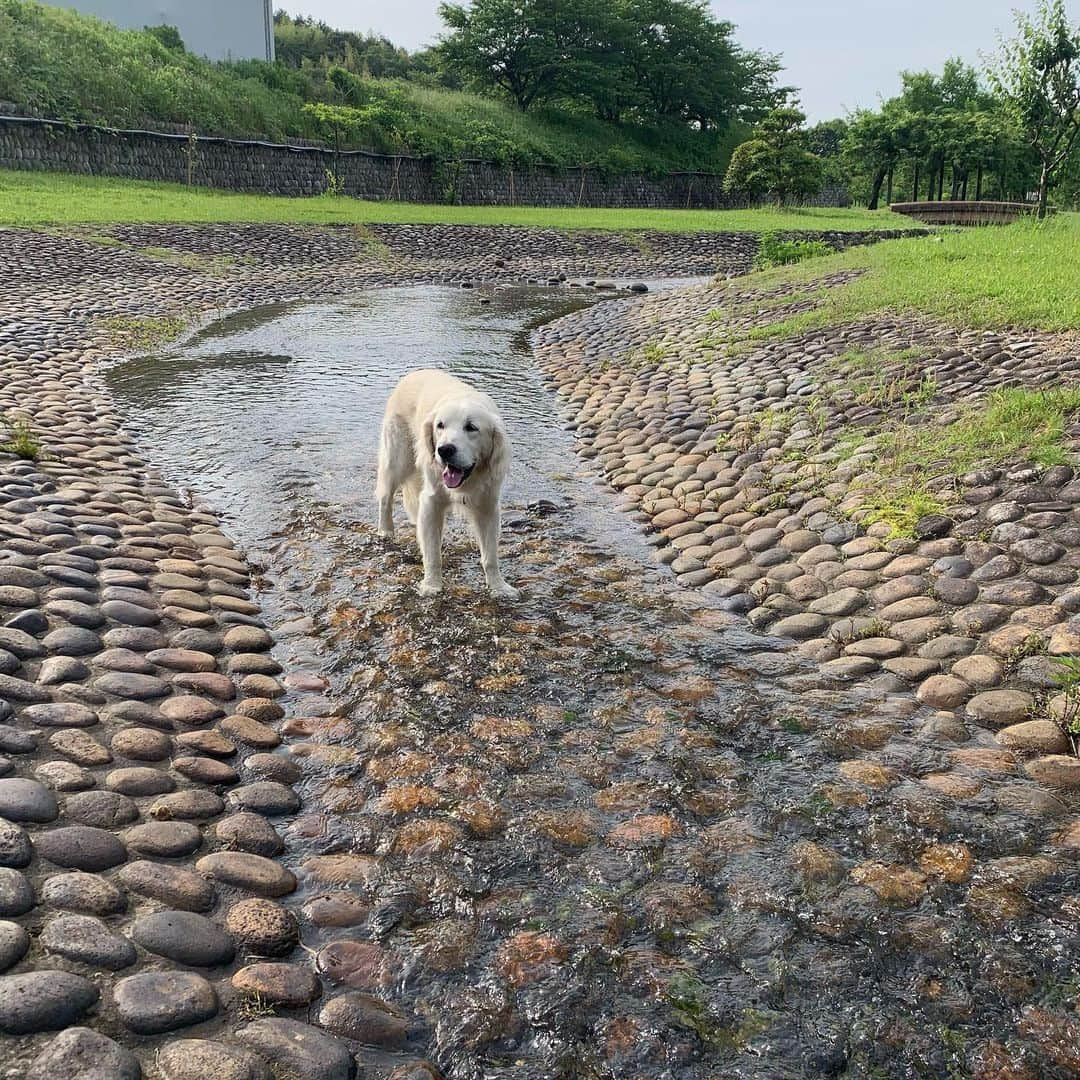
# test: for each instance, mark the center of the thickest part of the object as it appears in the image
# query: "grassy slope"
(60, 64)
(1022, 275)
(60, 199)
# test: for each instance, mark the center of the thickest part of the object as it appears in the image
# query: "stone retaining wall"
(48, 145)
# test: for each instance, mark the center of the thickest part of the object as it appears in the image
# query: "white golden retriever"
(443, 446)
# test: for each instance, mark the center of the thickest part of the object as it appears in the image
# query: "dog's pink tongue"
(452, 477)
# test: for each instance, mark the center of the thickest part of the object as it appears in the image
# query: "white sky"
(841, 53)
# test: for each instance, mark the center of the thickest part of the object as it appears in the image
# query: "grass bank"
(1022, 275)
(61, 199)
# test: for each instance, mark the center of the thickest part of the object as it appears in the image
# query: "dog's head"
(464, 435)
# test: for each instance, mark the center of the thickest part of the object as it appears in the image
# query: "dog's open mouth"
(453, 477)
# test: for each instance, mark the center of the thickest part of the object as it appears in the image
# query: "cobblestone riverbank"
(673, 847)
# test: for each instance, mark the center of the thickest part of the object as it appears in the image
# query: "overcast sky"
(840, 53)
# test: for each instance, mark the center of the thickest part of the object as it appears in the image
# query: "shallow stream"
(604, 832)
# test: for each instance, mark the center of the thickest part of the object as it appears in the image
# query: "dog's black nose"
(447, 451)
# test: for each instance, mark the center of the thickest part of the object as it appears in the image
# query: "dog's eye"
(470, 427)
(439, 425)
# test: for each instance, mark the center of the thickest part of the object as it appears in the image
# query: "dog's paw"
(427, 588)
(505, 592)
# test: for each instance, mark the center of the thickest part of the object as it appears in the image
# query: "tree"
(529, 48)
(1038, 75)
(776, 161)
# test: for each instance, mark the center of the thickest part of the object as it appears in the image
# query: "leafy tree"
(1038, 75)
(776, 161)
(529, 48)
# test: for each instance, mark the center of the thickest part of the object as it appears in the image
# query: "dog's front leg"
(487, 537)
(430, 520)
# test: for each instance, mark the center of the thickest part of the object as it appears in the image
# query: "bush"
(773, 251)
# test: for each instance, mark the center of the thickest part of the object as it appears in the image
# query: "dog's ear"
(499, 457)
(425, 451)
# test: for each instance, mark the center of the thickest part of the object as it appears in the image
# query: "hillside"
(57, 63)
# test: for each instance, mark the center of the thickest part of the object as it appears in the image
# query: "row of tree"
(956, 135)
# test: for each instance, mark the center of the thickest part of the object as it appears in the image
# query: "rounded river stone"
(14, 942)
(196, 1059)
(43, 1001)
(163, 839)
(184, 937)
(82, 892)
(82, 1054)
(300, 1050)
(16, 893)
(170, 885)
(102, 809)
(81, 847)
(27, 800)
(88, 940)
(15, 847)
(157, 1001)
(264, 877)
(262, 927)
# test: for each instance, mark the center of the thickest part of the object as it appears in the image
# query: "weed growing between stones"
(1067, 713)
(142, 333)
(773, 251)
(21, 440)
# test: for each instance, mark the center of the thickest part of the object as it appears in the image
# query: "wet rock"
(359, 964)
(1036, 736)
(288, 985)
(365, 1019)
(1055, 770)
(302, 1051)
(82, 1054)
(263, 928)
(89, 941)
(170, 885)
(943, 692)
(257, 874)
(184, 937)
(157, 1001)
(43, 1001)
(336, 909)
(1000, 708)
(198, 1059)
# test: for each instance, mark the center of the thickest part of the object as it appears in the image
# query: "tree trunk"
(963, 186)
(875, 191)
(915, 185)
(1044, 189)
(931, 191)
(888, 195)
(978, 183)
(941, 181)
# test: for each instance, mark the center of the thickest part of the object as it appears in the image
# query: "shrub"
(773, 251)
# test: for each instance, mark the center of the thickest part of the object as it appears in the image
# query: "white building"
(217, 29)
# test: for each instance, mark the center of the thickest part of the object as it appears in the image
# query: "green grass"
(1011, 424)
(61, 199)
(20, 439)
(1022, 275)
